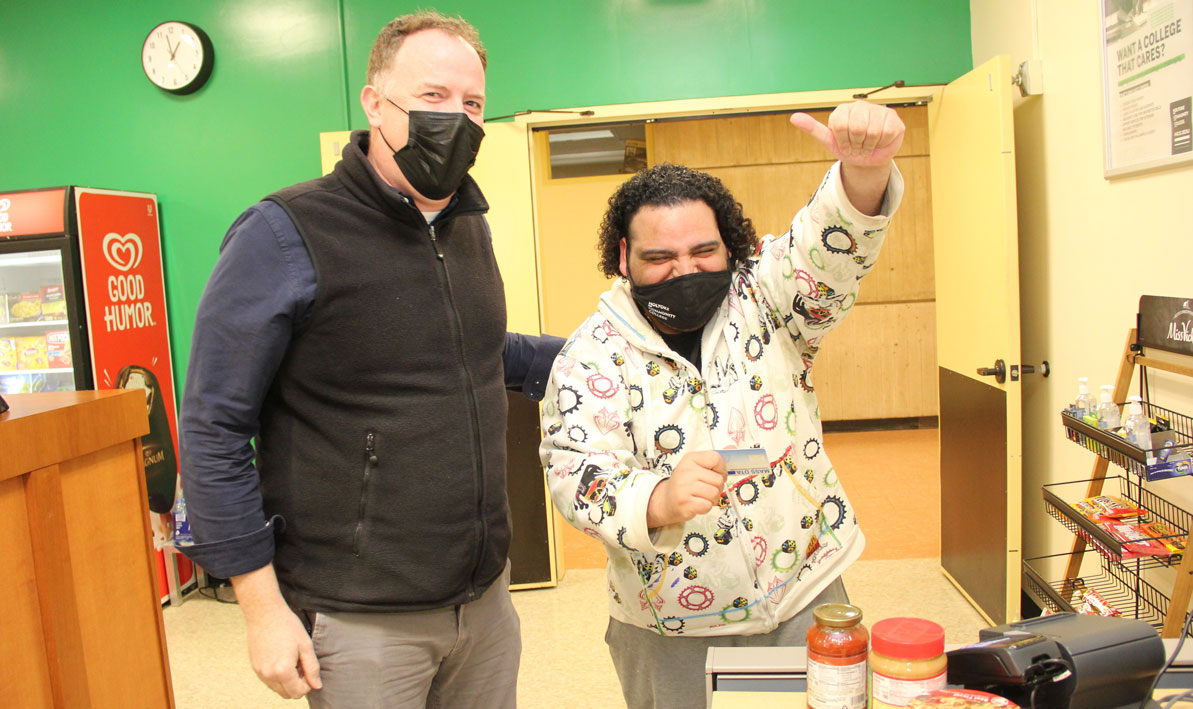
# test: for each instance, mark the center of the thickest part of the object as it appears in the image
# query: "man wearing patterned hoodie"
(705, 345)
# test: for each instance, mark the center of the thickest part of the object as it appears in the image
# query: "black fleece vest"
(383, 435)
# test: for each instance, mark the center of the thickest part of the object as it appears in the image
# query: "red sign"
(125, 298)
(26, 213)
(120, 248)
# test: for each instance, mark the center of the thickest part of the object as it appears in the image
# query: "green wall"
(75, 107)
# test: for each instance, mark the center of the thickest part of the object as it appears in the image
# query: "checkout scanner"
(1066, 659)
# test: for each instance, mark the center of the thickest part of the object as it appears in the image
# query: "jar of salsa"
(837, 647)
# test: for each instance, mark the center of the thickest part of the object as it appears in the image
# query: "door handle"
(1031, 369)
(1028, 369)
(998, 371)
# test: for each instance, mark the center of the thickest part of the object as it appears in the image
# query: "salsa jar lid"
(837, 615)
(907, 638)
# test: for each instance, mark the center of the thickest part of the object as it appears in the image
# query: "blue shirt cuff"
(238, 555)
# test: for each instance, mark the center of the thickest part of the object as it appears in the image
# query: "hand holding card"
(693, 489)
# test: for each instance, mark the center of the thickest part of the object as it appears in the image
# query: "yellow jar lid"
(837, 615)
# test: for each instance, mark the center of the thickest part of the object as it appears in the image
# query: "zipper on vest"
(474, 416)
(370, 463)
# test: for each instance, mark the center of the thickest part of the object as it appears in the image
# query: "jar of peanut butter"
(906, 660)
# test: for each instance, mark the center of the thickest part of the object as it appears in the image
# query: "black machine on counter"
(1067, 659)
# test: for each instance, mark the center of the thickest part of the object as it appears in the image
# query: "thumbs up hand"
(858, 133)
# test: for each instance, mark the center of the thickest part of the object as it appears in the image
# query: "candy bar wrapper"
(1135, 541)
(1107, 507)
(1093, 604)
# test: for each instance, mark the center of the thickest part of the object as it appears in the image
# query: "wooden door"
(569, 212)
(977, 324)
(503, 172)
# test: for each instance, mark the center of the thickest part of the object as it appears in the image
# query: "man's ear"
(370, 101)
(625, 270)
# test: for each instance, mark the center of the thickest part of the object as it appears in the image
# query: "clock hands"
(173, 50)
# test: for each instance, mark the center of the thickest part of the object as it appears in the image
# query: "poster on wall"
(1147, 72)
(125, 296)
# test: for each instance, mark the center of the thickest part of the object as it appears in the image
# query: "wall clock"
(177, 57)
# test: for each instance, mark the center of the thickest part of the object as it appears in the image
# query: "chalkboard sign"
(1166, 323)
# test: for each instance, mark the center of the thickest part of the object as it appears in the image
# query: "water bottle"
(1108, 417)
(1085, 403)
(182, 525)
(1136, 424)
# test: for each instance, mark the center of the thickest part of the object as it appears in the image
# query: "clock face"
(177, 57)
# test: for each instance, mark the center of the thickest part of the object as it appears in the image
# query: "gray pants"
(459, 656)
(658, 672)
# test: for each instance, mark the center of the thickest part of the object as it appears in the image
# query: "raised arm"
(809, 276)
(864, 137)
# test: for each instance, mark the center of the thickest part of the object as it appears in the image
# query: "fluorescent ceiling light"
(583, 158)
(579, 135)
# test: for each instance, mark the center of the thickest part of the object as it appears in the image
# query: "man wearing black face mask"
(707, 346)
(354, 330)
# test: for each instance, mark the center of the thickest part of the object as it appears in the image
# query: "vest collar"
(360, 178)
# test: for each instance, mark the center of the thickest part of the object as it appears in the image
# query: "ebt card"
(746, 461)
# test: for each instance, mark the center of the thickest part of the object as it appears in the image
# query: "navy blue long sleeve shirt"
(258, 298)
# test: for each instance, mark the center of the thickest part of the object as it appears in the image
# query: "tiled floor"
(891, 477)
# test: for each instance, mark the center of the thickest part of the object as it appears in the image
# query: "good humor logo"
(123, 252)
(129, 309)
(5, 223)
(1181, 327)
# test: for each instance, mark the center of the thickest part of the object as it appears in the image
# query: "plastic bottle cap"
(837, 615)
(907, 638)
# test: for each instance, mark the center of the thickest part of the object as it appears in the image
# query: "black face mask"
(684, 303)
(439, 151)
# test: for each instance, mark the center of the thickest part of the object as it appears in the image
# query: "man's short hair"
(667, 185)
(392, 35)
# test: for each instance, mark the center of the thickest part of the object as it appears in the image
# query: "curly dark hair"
(669, 185)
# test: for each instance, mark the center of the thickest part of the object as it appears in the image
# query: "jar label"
(890, 692)
(837, 686)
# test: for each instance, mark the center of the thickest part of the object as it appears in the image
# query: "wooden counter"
(82, 624)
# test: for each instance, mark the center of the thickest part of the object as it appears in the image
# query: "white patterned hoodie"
(622, 409)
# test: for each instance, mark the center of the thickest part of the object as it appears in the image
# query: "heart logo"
(123, 252)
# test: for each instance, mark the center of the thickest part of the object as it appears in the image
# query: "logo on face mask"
(684, 303)
(441, 148)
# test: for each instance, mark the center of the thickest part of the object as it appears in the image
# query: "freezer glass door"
(35, 348)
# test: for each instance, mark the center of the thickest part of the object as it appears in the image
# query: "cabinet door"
(977, 323)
